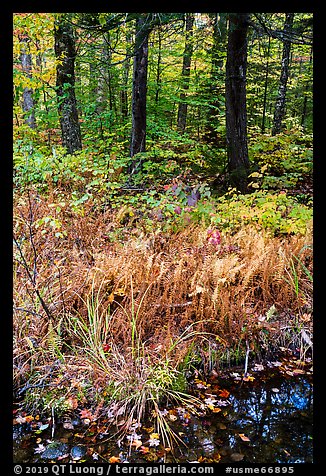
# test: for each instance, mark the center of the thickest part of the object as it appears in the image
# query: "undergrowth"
(202, 292)
(123, 290)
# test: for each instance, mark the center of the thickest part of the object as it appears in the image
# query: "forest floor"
(114, 317)
(128, 300)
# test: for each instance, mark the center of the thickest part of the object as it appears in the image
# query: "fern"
(54, 341)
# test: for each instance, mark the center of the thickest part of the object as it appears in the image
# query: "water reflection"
(277, 419)
(266, 421)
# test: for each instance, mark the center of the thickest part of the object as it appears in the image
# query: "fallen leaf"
(258, 367)
(216, 410)
(236, 456)
(275, 390)
(137, 444)
(153, 442)
(111, 298)
(224, 393)
(114, 459)
(39, 449)
(19, 420)
(86, 414)
(149, 430)
(173, 417)
(249, 378)
(29, 418)
(298, 372)
(72, 403)
(66, 456)
(144, 450)
(244, 437)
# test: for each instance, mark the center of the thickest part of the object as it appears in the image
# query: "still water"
(265, 420)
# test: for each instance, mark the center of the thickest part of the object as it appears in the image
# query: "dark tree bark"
(28, 100)
(235, 101)
(139, 92)
(183, 106)
(279, 111)
(65, 53)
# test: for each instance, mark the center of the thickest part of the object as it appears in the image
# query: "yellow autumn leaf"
(29, 418)
(119, 292)
(244, 437)
(249, 378)
(111, 298)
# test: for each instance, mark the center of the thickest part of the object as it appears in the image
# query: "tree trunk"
(102, 90)
(279, 111)
(28, 101)
(182, 110)
(65, 53)
(235, 101)
(219, 37)
(139, 91)
(158, 69)
(305, 99)
(265, 87)
(125, 75)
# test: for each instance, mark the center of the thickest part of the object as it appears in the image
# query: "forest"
(162, 233)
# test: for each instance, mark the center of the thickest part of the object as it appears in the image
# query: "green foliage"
(285, 158)
(277, 213)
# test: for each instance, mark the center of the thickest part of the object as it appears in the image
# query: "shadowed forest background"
(162, 207)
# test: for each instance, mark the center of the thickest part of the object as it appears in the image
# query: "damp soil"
(265, 417)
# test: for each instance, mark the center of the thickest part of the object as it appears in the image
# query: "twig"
(31, 278)
(27, 311)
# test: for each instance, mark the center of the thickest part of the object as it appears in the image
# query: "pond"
(265, 417)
